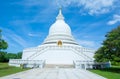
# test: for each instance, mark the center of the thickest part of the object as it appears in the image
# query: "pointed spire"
(60, 16)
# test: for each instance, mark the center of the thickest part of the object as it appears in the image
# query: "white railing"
(27, 63)
(83, 64)
(100, 65)
(37, 53)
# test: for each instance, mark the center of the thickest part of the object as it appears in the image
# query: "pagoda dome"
(60, 27)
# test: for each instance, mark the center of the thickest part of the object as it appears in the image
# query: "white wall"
(58, 57)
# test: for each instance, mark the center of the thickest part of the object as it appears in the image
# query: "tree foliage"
(3, 43)
(13, 56)
(3, 46)
(4, 57)
(110, 51)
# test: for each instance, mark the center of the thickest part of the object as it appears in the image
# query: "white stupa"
(59, 48)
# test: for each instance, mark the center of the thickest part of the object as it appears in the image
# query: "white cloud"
(21, 23)
(87, 43)
(14, 39)
(89, 6)
(116, 18)
(35, 35)
(29, 3)
(92, 6)
(19, 40)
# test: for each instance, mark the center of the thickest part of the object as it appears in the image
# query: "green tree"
(110, 49)
(19, 55)
(3, 46)
(10, 56)
(2, 56)
(3, 43)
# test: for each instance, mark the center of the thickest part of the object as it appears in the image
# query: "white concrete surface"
(52, 73)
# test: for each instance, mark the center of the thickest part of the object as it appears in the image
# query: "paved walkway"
(49, 73)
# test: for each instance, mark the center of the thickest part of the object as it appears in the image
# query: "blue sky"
(25, 23)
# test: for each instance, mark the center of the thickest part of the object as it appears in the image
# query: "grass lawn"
(7, 70)
(110, 73)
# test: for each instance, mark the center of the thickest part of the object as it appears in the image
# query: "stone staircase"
(58, 66)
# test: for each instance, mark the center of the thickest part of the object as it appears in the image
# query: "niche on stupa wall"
(59, 43)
